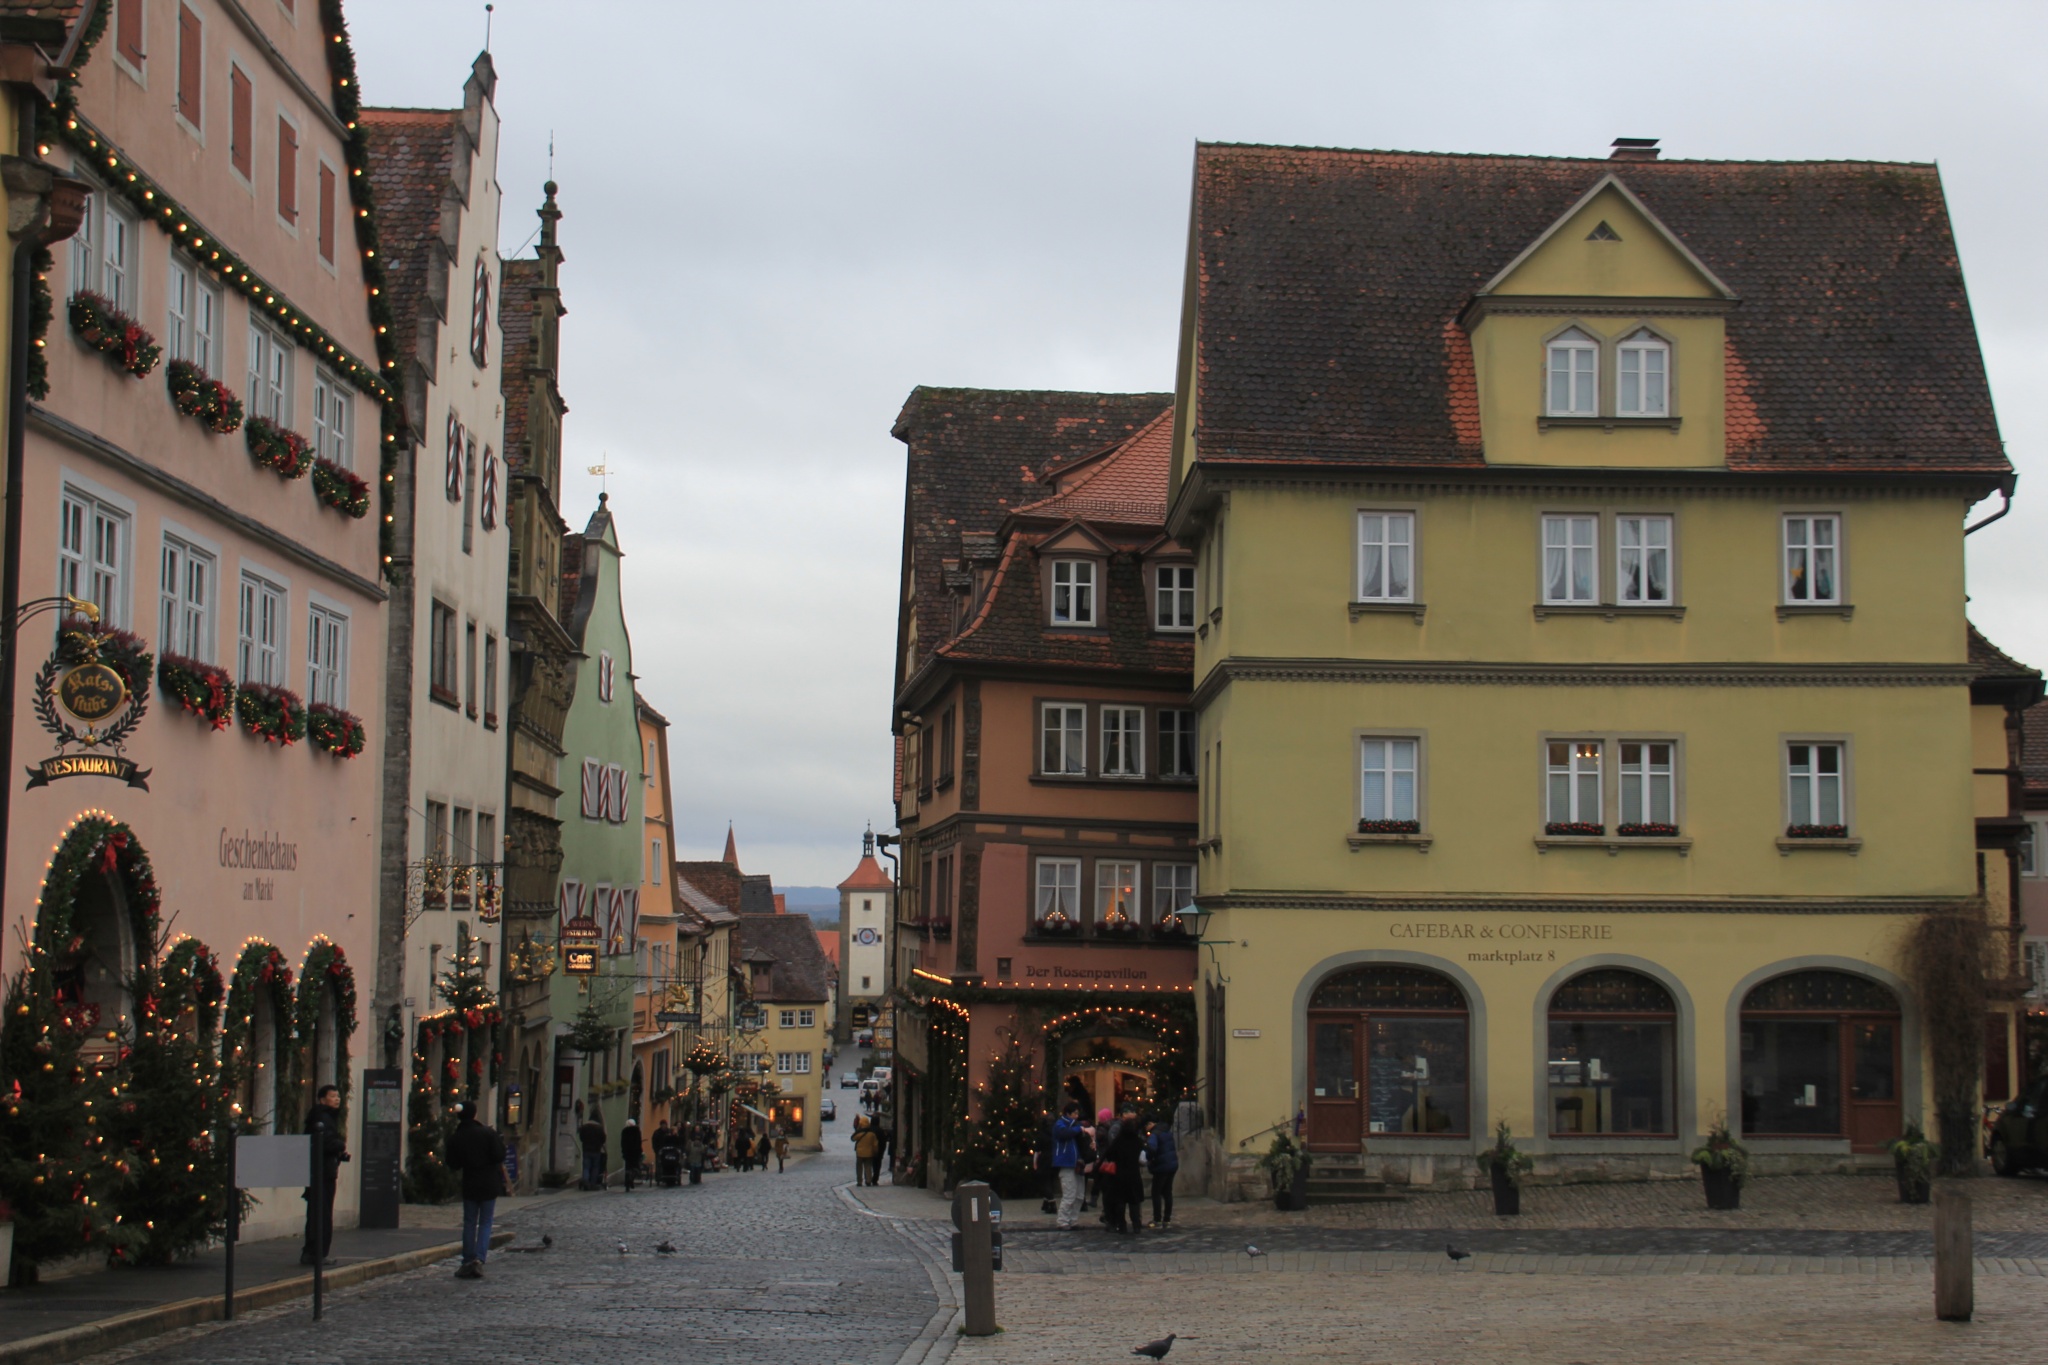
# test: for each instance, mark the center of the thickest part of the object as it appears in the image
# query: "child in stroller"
(668, 1157)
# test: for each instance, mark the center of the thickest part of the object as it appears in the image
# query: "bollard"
(973, 1209)
(1955, 1261)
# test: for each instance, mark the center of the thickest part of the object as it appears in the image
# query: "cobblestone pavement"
(771, 1268)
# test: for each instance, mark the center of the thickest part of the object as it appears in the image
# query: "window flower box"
(285, 453)
(201, 690)
(1575, 829)
(271, 713)
(1816, 831)
(939, 929)
(1172, 929)
(115, 335)
(1390, 827)
(335, 731)
(1056, 925)
(1123, 926)
(1652, 829)
(197, 394)
(342, 489)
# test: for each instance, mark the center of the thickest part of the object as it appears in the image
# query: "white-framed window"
(1649, 782)
(1073, 592)
(2034, 961)
(793, 1063)
(1642, 379)
(270, 375)
(186, 601)
(1572, 788)
(1813, 548)
(193, 308)
(1176, 742)
(806, 1018)
(1063, 744)
(787, 1019)
(1059, 887)
(1386, 556)
(596, 798)
(1173, 889)
(1813, 784)
(442, 665)
(1642, 560)
(1123, 741)
(85, 252)
(1116, 891)
(654, 862)
(1388, 770)
(92, 554)
(1572, 375)
(2029, 850)
(333, 419)
(326, 656)
(103, 252)
(1173, 600)
(259, 633)
(1571, 560)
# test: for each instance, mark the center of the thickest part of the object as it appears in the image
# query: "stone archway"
(96, 925)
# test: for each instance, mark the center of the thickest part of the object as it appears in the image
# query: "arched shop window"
(1389, 1052)
(1820, 1058)
(1613, 1041)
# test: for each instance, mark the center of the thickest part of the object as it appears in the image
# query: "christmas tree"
(1004, 1135)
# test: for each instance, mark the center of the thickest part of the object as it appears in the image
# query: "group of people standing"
(694, 1147)
(1107, 1161)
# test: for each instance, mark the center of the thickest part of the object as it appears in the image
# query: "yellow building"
(658, 987)
(1585, 696)
(784, 1024)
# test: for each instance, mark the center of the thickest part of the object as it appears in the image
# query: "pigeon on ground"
(1252, 1251)
(1456, 1253)
(666, 1248)
(622, 1248)
(547, 1239)
(1156, 1349)
(544, 1243)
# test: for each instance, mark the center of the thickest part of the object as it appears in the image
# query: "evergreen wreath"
(201, 690)
(111, 332)
(42, 306)
(326, 968)
(704, 1060)
(342, 489)
(98, 843)
(80, 641)
(260, 972)
(279, 449)
(335, 731)
(272, 713)
(197, 394)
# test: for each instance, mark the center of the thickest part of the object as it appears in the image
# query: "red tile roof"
(869, 876)
(717, 880)
(1327, 282)
(1127, 486)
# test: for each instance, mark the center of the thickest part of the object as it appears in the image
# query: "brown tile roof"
(412, 166)
(977, 454)
(705, 908)
(716, 880)
(1330, 284)
(1127, 486)
(801, 974)
(1992, 662)
(516, 284)
(2034, 749)
(43, 22)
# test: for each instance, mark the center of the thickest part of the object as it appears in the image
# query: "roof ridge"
(1538, 156)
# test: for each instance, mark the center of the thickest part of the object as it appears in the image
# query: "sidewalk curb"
(73, 1343)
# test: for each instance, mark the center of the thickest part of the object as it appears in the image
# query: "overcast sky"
(782, 217)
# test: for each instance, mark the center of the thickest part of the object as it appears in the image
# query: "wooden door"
(1336, 1114)
(1870, 1068)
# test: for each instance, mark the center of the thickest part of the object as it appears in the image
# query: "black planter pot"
(1912, 1189)
(1294, 1197)
(1723, 1190)
(1507, 1195)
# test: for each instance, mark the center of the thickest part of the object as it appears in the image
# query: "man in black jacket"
(324, 1123)
(477, 1156)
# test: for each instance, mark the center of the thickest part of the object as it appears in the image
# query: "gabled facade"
(1046, 793)
(1585, 691)
(867, 905)
(435, 175)
(781, 1048)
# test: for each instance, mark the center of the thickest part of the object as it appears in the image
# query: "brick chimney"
(1634, 149)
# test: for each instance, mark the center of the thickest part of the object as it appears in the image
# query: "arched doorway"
(1611, 1057)
(1820, 1058)
(326, 1019)
(255, 1044)
(97, 921)
(1390, 1051)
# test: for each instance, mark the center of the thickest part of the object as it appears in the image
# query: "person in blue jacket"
(1162, 1154)
(1066, 1161)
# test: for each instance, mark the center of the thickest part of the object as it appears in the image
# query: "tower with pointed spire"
(867, 905)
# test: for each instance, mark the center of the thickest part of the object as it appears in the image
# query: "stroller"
(668, 1166)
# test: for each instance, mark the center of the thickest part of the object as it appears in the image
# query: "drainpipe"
(2005, 505)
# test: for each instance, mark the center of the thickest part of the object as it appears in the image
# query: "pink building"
(204, 469)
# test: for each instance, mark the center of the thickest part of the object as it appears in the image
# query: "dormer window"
(1643, 375)
(1073, 592)
(1174, 597)
(1573, 374)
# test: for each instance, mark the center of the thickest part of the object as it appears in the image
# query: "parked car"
(849, 1081)
(828, 1109)
(2019, 1131)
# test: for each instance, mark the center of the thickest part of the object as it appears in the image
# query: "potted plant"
(1724, 1167)
(1505, 1165)
(1913, 1159)
(1286, 1164)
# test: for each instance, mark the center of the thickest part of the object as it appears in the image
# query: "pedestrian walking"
(867, 1151)
(743, 1149)
(477, 1156)
(324, 1123)
(1066, 1162)
(1123, 1198)
(778, 1137)
(592, 1135)
(668, 1155)
(630, 1150)
(694, 1153)
(1162, 1155)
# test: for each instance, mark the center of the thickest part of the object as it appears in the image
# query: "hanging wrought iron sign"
(91, 694)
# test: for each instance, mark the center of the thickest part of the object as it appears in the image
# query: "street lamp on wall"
(1196, 919)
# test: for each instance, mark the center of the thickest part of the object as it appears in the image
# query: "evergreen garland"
(42, 306)
(261, 971)
(197, 394)
(103, 844)
(427, 1177)
(169, 1131)
(272, 713)
(111, 332)
(335, 731)
(342, 489)
(326, 968)
(81, 641)
(282, 451)
(201, 690)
